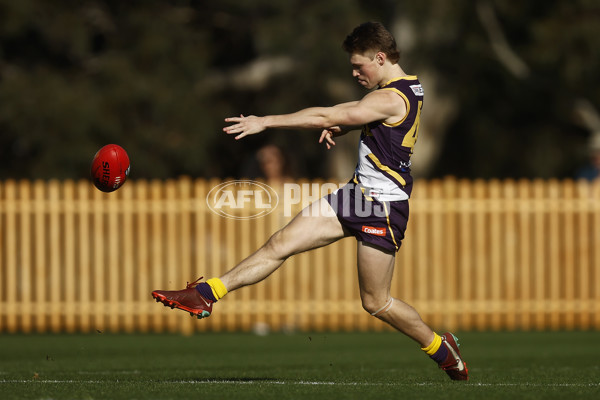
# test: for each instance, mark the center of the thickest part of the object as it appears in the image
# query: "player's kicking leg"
(316, 226)
(375, 270)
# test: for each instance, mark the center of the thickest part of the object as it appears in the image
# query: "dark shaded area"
(158, 77)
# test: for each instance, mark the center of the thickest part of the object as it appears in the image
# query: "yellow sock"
(434, 346)
(218, 288)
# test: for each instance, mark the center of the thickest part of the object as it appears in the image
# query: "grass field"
(541, 365)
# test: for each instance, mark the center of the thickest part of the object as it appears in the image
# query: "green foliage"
(158, 77)
(79, 75)
(508, 125)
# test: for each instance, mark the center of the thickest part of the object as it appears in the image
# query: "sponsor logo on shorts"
(374, 231)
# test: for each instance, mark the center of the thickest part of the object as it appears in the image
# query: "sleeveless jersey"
(383, 169)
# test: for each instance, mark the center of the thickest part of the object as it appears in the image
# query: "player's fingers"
(323, 135)
(231, 129)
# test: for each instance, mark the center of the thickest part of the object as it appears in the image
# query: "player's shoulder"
(385, 103)
(383, 94)
(389, 100)
(401, 81)
(407, 83)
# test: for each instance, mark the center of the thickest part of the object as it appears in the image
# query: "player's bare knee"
(276, 246)
(368, 306)
(376, 306)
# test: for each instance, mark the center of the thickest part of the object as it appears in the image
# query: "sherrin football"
(110, 168)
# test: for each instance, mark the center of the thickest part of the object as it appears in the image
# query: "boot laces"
(194, 284)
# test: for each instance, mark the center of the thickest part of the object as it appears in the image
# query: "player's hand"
(244, 126)
(328, 134)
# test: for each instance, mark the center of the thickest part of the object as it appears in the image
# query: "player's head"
(370, 38)
(372, 50)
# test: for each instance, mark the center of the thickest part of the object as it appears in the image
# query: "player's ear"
(380, 57)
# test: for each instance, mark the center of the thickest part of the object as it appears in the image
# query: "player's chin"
(366, 84)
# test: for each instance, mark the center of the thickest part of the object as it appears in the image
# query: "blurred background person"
(591, 170)
(273, 164)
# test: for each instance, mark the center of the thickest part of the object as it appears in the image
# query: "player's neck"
(393, 72)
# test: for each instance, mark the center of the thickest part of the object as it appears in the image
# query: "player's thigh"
(375, 270)
(315, 226)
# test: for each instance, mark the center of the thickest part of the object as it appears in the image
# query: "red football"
(110, 168)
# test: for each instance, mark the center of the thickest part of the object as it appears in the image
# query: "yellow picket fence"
(478, 255)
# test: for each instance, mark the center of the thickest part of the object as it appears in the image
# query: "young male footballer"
(382, 184)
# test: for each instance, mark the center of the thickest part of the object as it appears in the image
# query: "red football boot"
(454, 366)
(188, 299)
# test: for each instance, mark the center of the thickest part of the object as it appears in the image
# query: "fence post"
(70, 242)
(128, 277)
(526, 213)
(552, 280)
(11, 285)
(495, 281)
(25, 250)
(142, 256)
(582, 203)
(570, 266)
(594, 196)
(466, 260)
(41, 278)
(511, 245)
(84, 261)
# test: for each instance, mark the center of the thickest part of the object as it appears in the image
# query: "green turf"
(548, 365)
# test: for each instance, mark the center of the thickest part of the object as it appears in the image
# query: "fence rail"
(478, 255)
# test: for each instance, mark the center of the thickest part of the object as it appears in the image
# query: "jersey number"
(411, 136)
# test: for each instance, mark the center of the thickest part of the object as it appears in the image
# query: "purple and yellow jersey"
(384, 150)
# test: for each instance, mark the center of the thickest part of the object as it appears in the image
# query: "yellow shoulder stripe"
(405, 102)
(407, 77)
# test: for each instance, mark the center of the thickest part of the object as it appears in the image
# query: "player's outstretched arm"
(308, 118)
(373, 107)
